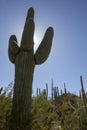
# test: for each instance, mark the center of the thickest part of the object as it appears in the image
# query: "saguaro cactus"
(24, 59)
(83, 92)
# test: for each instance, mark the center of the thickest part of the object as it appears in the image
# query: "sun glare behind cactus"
(36, 41)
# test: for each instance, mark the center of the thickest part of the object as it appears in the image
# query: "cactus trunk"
(22, 90)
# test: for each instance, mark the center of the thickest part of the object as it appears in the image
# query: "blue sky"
(67, 60)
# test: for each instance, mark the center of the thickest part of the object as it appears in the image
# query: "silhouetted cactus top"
(27, 41)
(24, 59)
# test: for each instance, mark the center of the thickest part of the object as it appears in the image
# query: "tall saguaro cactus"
(25, 60)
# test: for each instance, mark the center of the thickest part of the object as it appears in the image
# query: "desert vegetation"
(61, 111)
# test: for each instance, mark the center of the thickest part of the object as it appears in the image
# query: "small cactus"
(52, 91)
(46, 91)
(24, 59)
(83, 91)
(65, 91)
(37, 92)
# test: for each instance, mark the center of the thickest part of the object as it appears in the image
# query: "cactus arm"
(43, 50)
(28, 33)
(13, 48)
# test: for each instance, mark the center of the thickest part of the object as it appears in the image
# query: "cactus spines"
(24, 59)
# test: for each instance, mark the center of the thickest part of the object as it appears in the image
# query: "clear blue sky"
(68, 57)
